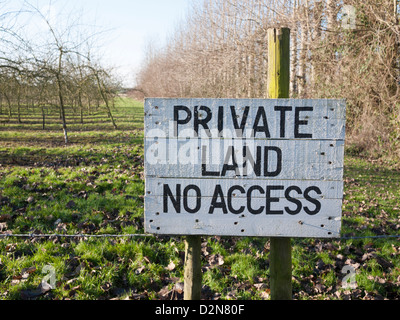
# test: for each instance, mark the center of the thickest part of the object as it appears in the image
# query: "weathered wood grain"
(301, 159)
(327, 121)
(326, 224)
(212, 174)
(155, 186)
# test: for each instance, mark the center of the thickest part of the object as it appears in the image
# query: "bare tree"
(52, 68)
(219, 51)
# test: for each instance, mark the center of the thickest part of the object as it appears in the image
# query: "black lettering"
(248, 157)
(261, 115)
(178, 121)
(230, 196)
(293, 200)
(299, 123)
(186, 198)
(249, 198)
(202, 122)
(278, 169)
(283, 111)
(216, 203)
(312, 200)
(230, 155)
(271, 199)
(204, 171)
(176, 202)
(240, 129)
(220, 121)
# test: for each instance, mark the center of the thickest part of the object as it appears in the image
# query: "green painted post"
(278, 88)
(278, 63)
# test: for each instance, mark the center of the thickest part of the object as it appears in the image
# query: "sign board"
(244, 167)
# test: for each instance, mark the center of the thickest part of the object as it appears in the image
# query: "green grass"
(95, 186)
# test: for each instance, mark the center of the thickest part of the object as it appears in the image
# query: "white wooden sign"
(247, 167)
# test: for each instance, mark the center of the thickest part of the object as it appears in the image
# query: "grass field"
(95, 186)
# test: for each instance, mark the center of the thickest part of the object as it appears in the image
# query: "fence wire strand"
(132, 236)
(75, 236)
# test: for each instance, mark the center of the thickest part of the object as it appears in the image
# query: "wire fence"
(132, 236)
(76, 235)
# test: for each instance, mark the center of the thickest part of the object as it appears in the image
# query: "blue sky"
(129, 25)
(134, 24)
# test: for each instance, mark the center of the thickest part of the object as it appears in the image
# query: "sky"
(134, 24)
(128, 25)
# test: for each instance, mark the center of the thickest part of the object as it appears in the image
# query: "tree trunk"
(302, 61)
(294, 59)
(80, 106)
(106, 102)
(331, 26)
(9, 107)
(43, 119)
(61, 99)
(64, 121)
(19, 109)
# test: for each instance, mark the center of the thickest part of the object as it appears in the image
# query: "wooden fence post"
(193, 276)
(281, 249)
(278, 87)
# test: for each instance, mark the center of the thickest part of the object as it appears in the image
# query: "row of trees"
(340, 49)
(51, 69)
